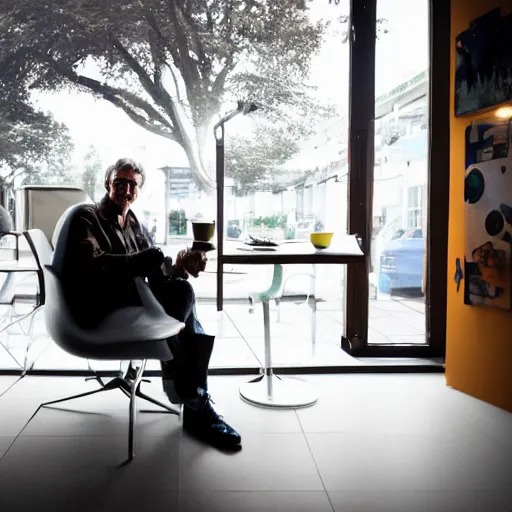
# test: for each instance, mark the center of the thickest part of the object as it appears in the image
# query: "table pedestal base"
(274, 391)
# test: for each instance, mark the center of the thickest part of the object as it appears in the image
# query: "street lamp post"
(218, 130)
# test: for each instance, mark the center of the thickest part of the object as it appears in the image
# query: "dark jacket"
(97, 273)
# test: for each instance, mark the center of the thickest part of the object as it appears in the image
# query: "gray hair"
(125, 164)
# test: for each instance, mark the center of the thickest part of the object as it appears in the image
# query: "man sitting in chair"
(108, 248)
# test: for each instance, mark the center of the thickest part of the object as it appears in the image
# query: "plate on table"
(257, 248)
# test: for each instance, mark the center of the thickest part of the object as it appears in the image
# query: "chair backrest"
(59, 321)
(41, 206)
(60, 236)
(42, 252)
(64, 330)
(40, 247)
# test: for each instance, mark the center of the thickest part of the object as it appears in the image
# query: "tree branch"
(121, 99)
(186, 65)
(157, 93)
(204, 61)
(220, 80)
(159, 55)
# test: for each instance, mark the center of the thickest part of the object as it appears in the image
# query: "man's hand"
(145, 262)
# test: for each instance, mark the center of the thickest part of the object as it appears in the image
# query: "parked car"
(401, 262)
(234, 230)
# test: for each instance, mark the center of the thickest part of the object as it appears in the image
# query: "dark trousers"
(192, 348)
(189, 368)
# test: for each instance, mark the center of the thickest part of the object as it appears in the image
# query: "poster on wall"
(483, 76)
(488, 214)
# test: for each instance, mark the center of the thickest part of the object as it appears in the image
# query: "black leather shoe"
(207, 425)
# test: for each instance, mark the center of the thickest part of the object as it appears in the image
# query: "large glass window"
(149, 81)
(286, 168)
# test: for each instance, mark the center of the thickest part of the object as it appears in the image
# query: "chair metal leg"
(20, 319)
(131, 388)
(96, 376)
(81, 395)
(133, 409)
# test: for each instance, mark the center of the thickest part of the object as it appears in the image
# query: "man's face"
(124, 187)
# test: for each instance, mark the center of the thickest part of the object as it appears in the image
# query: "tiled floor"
(383, 443)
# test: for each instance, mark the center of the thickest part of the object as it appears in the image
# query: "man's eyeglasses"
(121, 183)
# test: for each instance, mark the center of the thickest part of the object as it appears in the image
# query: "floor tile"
(135, 500)
(39, 389)
(406, 501)
(76, 498)
(246, 418)
(232, 352)
(391, 326)
(94, 463)
(389, 305)
(5, 443)
(267, 462)
(6, 382)
(376, 312)
(222, 501)
(349, 405)
(375, 337)
(393, 462)
(14, 416)
(418, 304)
(408, 339)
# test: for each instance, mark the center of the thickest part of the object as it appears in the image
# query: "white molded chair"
(41, 251)
(43, 254)
(132, 333)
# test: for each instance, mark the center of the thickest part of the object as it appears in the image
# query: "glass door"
(390, 181)
(400, 181)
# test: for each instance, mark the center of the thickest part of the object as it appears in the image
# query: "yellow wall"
(479, 340)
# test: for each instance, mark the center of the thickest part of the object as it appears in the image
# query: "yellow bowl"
(321, 240)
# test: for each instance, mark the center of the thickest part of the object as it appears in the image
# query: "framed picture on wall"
(483, 76)
(488, 214)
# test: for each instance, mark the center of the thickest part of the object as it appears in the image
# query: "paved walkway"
(239, 333)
